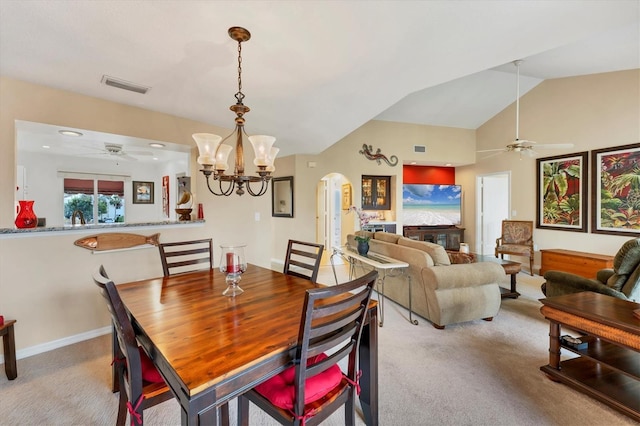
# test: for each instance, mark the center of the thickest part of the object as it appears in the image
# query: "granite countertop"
(101, 227)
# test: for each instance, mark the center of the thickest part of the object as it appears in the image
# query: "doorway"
(329, 204)
(493, 206)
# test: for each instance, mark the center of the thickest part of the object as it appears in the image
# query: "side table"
(9, 344)
(510, 268)
(385, 265)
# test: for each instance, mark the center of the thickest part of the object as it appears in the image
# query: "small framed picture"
(142, 192)
(346, 196)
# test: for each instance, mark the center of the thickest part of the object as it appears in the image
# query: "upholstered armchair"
(516, 240)
(623, 281)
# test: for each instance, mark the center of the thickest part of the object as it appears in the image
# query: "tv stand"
(449, 237)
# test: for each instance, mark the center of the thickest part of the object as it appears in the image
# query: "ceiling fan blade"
(139, 152)
(492, 150)
(555, 146)
(127, 157)
(491, 155)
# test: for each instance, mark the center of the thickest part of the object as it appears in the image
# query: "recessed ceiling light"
(155, 158)
(69, 133)
(156, 145)
(46, 146)
(413, 163)
(448, 164)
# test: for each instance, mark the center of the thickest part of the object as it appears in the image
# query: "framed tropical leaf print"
(616, 187)
(562, 192)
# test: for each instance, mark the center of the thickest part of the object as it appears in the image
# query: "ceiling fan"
(523, 146)
(117, 150)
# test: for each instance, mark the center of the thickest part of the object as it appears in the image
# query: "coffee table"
(608, 367)
(510, 268)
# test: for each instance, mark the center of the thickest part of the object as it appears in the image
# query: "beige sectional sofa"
(441, 292)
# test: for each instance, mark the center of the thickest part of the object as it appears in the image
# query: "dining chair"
(141, 385)
(303, 259)
(181, 256)
(315, 386)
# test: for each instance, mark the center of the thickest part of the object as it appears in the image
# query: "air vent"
(419, 148)
(125, 85)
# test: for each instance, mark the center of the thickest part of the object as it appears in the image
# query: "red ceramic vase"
(26, 217)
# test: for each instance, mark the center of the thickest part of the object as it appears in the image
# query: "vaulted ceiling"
(314, 71)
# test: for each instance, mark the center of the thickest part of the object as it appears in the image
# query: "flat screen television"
(431, 205)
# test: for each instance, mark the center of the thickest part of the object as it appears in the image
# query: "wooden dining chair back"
(186, 256)
(315, 386)
(141, 386)
(303, 259)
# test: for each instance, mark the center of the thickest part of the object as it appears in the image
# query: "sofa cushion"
(436, 251)
(387, 237)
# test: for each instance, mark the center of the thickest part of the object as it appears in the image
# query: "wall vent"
(419, 148)
(125, 85)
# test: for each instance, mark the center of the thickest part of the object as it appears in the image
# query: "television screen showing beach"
(431, 205)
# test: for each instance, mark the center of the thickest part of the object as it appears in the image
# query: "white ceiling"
(314, 71)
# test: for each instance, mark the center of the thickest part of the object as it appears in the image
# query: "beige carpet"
(476, 373)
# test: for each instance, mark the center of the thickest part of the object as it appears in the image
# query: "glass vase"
(26, 216)
(233, 263)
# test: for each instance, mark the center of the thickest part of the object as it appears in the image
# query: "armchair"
(623, 281)
(517, 240)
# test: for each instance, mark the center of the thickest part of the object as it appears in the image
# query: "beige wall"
(592, 112)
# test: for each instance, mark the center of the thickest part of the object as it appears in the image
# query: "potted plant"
(363, 244)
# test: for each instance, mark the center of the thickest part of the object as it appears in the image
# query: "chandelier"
(213, 153)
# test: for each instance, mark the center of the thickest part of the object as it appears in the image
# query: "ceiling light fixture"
(213, 153)
(156, 145)
(69, 133)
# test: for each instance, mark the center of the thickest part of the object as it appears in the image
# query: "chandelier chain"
(239, 95)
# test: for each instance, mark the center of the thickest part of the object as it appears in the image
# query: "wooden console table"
(608, 369)
(575, 262)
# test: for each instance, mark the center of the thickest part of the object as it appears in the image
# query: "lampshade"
(262, 148)
(272, 157)
(207, 146)
(222, 157)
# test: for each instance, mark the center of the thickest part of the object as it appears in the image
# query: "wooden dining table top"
(205, 336)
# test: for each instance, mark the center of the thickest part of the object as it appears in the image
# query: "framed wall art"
(562, 187)
(616, 190)
(346, 196)
(142, 192)
(282, 196)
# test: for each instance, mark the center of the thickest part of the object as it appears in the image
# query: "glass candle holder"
(233, 263)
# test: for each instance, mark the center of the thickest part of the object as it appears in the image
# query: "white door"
(493, 193)
(322, 214)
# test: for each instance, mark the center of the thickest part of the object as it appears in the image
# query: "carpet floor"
(474, 373)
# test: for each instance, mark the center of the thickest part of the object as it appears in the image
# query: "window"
(80, 197)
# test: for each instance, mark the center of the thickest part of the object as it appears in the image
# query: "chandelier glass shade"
(214, 153)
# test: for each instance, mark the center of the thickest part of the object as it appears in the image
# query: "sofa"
(442, 292)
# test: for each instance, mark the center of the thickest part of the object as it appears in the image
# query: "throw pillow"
(435, 251)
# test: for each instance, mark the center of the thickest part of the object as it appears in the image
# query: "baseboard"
(55, 344)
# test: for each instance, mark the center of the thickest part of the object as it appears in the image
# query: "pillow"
(149, 371)
(280, 389)
(387, 237)
(435, 251)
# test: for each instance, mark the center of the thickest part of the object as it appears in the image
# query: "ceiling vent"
(420, 148)
(125, 85)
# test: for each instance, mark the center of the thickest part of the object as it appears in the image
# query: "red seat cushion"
(149, 371)
(281, 392)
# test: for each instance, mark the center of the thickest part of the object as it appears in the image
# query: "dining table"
(211, 348)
